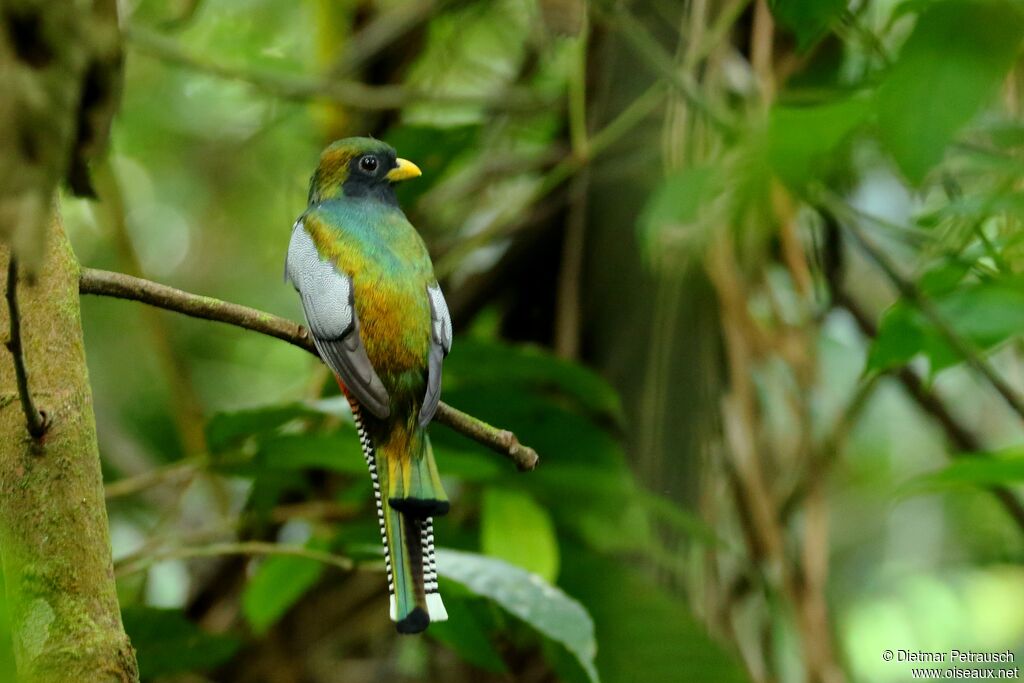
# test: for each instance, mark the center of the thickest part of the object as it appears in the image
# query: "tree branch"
(35, 418)
(121, 286)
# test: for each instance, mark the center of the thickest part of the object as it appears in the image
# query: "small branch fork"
(35, 419)
(121, 286)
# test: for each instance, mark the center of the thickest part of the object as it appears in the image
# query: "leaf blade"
(545, 608)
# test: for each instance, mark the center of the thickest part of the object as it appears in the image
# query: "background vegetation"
(747, 275)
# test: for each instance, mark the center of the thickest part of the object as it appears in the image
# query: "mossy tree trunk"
(54, 540)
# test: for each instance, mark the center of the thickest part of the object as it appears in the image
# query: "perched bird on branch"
(379, 320)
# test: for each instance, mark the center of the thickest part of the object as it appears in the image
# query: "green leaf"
(808, 19)
(276, 585)
(168, 643)
(545, 608)
(970, 471)
(986, 314)
(515, 529)
(803, 141)
(948, 68)
(635, 620)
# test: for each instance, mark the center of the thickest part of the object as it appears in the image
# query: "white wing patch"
(442, 320)
(326, 293)
(440, 345)
(330, 313)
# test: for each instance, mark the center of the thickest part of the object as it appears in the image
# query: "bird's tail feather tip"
(435, 608)
(415, 622)
(435, 612)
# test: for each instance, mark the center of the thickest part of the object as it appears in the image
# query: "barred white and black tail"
(435, 606)
(409, 559)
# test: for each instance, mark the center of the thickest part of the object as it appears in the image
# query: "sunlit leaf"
(950, 65)
(168, 643)
(515, 529)
(544, 607)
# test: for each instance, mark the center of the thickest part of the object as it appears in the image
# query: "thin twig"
(909, 291)
(121, 286)
(134, 563)
(35, 419)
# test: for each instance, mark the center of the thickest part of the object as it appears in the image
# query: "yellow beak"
(405, 170)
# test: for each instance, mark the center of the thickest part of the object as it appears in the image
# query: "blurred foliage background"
(747, 274)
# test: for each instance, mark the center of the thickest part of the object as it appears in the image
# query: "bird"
(380, 322)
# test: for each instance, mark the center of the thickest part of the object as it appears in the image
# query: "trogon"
(380, 322)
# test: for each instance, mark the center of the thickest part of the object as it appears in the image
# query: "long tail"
(413, 492)
(435, 607)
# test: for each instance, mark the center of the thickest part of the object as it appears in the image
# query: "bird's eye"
(368, 163)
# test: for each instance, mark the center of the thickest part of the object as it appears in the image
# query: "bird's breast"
(394, 319)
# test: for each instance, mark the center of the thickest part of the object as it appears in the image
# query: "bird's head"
(359, 167)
